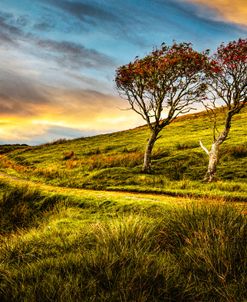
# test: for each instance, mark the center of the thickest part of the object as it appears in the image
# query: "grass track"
(124, 197)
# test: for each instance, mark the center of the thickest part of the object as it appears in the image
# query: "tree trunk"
(146, 168)
(213, 161)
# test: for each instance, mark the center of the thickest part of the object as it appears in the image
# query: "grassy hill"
(113, 161)
(80, 222)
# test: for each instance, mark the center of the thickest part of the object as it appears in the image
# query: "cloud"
(24, 95)
(19, 95)
(10, 107)
(72, 114)
(31, 133)
(65, 53)
(87, 12)
(75, 55)
(8, 32)
(44, 25)
(206, 15)
(226, 10)
(32, 112)
(38, 133)
(66, 132)
(109, 18)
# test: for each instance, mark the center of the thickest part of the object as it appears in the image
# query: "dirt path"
(119, 196)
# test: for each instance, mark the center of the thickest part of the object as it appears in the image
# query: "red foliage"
(230, 57)
(166, 64)
(235, 51)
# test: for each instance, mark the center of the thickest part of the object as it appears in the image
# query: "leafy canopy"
(228, 74)
(170, 77)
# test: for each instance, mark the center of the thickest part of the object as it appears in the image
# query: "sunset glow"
(228, 10)
(58, 58)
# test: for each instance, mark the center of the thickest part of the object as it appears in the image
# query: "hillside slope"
(113, 161)
(59, 243)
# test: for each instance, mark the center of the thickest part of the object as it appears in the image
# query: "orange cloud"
(16, 129)
(85, 109)
(70, 114)
(231, 10)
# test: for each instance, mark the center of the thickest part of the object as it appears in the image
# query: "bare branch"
(203, 147)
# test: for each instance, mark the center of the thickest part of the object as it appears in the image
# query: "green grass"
(80, 222)
(119, 247)
(113, 161)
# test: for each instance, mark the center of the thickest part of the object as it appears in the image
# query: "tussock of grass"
(21, 207)
(194, 253)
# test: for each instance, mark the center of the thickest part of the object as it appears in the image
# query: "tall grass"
(95, 247)
(194, 253)
(21, 207)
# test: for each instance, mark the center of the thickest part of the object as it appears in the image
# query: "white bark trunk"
(213, 161)
(213, 155)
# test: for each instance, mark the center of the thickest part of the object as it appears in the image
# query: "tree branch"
(203, 147)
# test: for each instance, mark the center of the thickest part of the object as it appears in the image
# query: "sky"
(58, 58)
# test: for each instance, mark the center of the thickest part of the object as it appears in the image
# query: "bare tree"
(162, 85)
(227, 82)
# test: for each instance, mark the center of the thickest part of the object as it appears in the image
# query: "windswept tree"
(227, 83)
(162, 85)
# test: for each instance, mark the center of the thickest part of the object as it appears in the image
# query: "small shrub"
(9, 148)
(21, 160)
(68, 155)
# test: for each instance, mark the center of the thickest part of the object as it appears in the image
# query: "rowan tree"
(162, 85)
(227, 84)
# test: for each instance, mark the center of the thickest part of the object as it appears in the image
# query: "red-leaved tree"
(227, 84)
(162, 85)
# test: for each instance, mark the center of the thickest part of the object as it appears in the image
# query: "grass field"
(113, 161)
(61, 244)
(87, 225)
